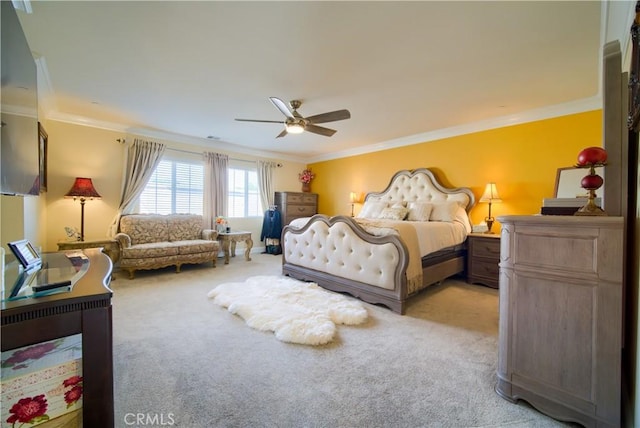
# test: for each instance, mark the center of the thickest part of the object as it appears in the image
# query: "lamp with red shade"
(82, 189)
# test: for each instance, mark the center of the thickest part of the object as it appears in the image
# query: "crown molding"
(211, 144)
(574, 107)
(168, 136)
(579, 106)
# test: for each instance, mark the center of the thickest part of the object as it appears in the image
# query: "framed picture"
(43, 142)
(25, 253)
(568, 182)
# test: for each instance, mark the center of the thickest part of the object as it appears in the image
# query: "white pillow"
(372, 209)
(461, 216)
(419, 211)
(444, 211)
(391, 213)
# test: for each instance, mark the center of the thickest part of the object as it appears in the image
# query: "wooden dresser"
(560, 328)
(293, 205)
(482, 259)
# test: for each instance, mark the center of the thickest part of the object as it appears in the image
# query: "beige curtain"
(265, 183)
(142, 157)
(216, 185)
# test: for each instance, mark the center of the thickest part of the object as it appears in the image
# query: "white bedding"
(432, 235)
(435, 235)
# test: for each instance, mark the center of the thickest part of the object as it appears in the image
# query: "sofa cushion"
(150, 250)
(185, 227)
(145, 228)
(196, 246)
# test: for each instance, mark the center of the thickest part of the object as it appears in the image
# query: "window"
(175, 187)
(244, 197)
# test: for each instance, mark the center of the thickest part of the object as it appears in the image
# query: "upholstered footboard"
(339, 255)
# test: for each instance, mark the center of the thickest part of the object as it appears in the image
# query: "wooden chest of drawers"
(293, 205)
(561, 316)
(483, 257)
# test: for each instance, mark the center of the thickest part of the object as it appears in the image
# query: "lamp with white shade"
(491, 196)
(354, 198)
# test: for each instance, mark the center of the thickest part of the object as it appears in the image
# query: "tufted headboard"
(421, 185)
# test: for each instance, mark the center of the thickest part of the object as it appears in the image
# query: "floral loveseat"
(150, 241)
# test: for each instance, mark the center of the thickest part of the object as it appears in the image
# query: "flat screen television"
(19, 154)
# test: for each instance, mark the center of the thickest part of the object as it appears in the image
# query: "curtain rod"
(123, 141)
(200, 153)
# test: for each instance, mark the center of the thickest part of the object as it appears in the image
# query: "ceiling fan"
(295, 123)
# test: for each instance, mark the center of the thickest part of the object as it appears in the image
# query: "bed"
(405, 238)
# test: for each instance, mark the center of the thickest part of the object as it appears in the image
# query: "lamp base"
(489, 221)
(591, 208)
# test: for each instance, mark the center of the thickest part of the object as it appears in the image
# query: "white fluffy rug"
(296, 311)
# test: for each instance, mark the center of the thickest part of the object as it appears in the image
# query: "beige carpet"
(177, 355)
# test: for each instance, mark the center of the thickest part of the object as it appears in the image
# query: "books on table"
(568, 202)
(565, 206)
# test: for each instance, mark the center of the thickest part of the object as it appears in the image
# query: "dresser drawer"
(300, 210)
(301, 198)
(485, 269)
(489, 247)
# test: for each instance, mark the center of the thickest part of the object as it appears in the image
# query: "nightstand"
(483, 256)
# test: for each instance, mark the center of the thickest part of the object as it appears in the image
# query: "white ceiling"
(400, 68)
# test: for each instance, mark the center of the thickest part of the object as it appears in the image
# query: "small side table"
(229, 240)
(483, 256)
(109, 246)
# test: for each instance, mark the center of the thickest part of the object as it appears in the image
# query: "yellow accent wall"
(521, 159)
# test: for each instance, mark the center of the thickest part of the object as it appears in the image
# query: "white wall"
(83, 151)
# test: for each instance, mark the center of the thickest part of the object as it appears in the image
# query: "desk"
(229, 240)
(85, 309)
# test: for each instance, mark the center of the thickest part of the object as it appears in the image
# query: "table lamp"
(354, 198)
(490, 195)
(83, 189)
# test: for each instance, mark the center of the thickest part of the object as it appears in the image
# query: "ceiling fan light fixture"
(294, 128)
(295, 123)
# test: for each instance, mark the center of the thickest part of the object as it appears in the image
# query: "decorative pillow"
(399, 205)
(372, 209)
(390, 213)
(419, 211)
(444, 211)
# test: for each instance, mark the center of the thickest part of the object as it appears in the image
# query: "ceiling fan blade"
(329, 117)
(280, 105)
(263, 121)
(282, 134)
(319, 130)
